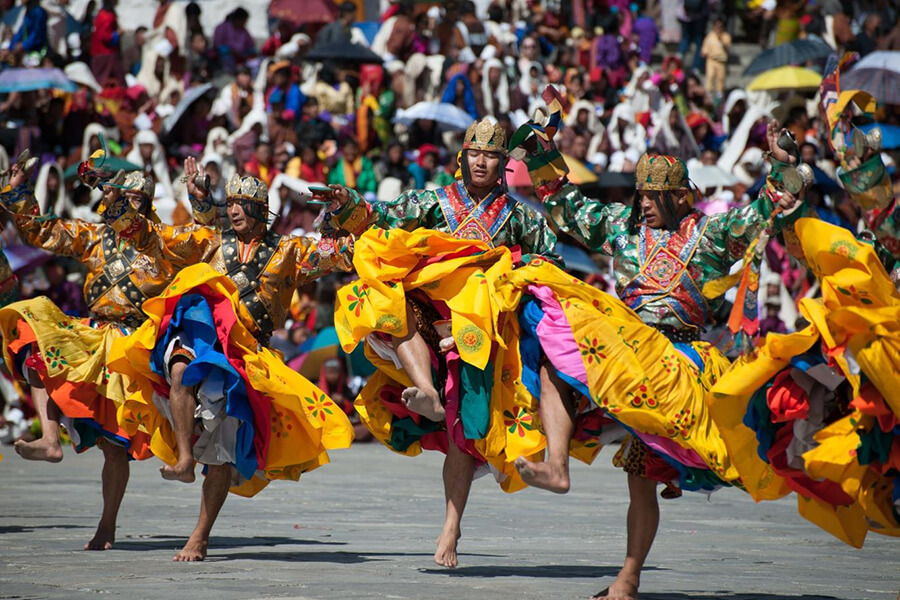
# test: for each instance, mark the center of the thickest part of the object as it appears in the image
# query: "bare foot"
(421, 403)
(193, 551)
(41, 449)
(180, 472)
(446, 549)
(103, 539)
(622, 589)
(544, 475)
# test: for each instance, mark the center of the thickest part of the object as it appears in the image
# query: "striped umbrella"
(793, 53)
(883, 84)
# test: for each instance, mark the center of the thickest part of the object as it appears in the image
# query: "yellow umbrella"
(579, 174)
(786, 78)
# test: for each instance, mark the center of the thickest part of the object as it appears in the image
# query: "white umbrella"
(448, 116)
(888, 60)
(711, 176)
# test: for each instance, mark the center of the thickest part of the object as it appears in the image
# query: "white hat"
(81, 74)
(394, 66)
(73, 42)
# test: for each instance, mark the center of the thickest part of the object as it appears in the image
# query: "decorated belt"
(684, 336)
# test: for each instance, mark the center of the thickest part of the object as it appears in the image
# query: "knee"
(114, 452)
(176, 372)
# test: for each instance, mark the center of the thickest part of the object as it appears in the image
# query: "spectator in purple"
(607, 52)
(232, 40)
(646, 35)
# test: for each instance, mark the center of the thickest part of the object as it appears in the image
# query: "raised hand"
(17, 175)
(191, 170)
(773, 132)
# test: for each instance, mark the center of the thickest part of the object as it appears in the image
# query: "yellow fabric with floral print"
(857, 322)
(633, 371)
(392, 264)
(304, 421)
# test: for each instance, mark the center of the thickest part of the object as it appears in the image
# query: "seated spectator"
(353, 170)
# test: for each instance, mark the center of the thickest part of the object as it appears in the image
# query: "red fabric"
(104, 27)
(696, 119)
(786, 399)
(826, 491)
(425, 150)
(871, 402)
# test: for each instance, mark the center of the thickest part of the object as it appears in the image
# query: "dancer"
(447, 359)
(201, 361)
(640, 360)
(65, 359)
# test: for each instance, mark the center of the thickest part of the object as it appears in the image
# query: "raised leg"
(643, 522)
(459, 468)
(183, 404)
(558, 419)
(47, 447)
(413, 353)
(115, 479)
(215, 490)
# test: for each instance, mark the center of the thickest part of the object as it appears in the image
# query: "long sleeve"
(66, 237)
(315, 258)
(410, 210)
(885, 224)
(590, 221)
(183, 246)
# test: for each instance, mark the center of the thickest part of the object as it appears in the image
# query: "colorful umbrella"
(447, 116)
(793, 53)
(190, 96)
(883, 84)
(787, 78)
(300, 12)
(711, 176)
(28, 80)
(889, 60)
(317, 351)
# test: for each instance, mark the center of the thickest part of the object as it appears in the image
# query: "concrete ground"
(365, 527)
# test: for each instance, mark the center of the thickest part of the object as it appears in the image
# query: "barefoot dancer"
(403, 405)
(209, 387)
(650, 376)
(64, 359)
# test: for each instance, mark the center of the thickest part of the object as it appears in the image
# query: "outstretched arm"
(350, 212)
(588, 220)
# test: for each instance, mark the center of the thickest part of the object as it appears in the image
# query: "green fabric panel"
(475, 399)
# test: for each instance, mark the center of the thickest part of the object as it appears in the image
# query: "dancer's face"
(484, 168)
(652, 212)
(241, 222)
(136, 200)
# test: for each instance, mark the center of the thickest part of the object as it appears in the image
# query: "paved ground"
(364, 527)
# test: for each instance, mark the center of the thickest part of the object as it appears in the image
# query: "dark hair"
(192, 10)
(814, 147)
(238, 14)
(495, 13)
(140, 29)
(467, 7)
(347, 8)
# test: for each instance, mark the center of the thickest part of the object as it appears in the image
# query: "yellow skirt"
(655, 389)
(284, 424)
(70, 355)
(432, 273)
(837, 455)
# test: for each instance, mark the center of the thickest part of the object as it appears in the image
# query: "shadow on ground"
(730, 596)
(30, 528)
(541, 571)
(166, 542)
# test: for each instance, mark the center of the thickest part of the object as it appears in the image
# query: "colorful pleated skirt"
(254, 412)
(642, 382)
(70, 355)
(437, 276)
(816, 412)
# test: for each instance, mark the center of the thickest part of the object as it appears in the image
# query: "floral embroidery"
(681, 424)
(592, 350)
(642, 396)
(518, 423)
(388, 323)
(844, 248)
(470, 338)
(857, 295)
(319, 407)
(54, 358)
(358, 298)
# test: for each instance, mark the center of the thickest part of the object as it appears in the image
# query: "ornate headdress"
(658, 172)
(253, 194)
(247, 188)
(139, 183)
(487, 136)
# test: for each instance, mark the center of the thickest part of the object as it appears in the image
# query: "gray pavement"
(365, 526)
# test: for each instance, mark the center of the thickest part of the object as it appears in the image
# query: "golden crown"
(484, 135)
(249, 188)
(139, 183)
(661, 173)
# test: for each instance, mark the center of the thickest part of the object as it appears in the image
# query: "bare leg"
(558, 419)
(115, 479)
(215, 490)
(643, 521)
(459, 468)
(413, 353)
(183, 405)
(47, 447)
